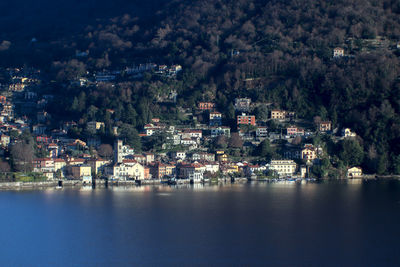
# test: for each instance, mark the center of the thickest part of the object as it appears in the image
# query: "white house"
(283, 167)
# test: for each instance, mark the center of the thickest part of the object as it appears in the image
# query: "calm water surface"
(326, 224)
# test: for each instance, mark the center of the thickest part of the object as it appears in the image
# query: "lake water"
(276, 224)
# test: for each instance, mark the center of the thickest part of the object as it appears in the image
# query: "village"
(198, 152)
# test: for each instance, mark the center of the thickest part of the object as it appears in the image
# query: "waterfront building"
(283, 167)
(129, 169)
(186, 171)
(78, 171)
(354, 172)
(158, 170)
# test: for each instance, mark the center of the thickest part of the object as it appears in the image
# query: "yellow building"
(170, 170)
(76, 162)
(325, 126)
(223, 157)
(354, 172)
(138, 171)
(348, 133)
(98, 165)
(308, 154)
(231, 169)
(94, 125)
(79, 142)
(278, 114)
(78, 171)
(128, 170)
(59, 164)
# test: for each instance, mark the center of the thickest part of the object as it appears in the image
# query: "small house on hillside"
(354, 172)
(338, 52)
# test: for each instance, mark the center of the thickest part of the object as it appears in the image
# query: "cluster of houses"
(131, 72)
(135, 71)
(127, 165)
(189, 156)
(196, 166)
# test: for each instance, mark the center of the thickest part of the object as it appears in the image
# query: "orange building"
(146, 173)
(246, 119)
(158, 170)
(206, 105)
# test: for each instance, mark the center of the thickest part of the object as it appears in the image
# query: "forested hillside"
(278, 52)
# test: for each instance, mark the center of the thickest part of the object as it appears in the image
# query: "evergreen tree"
(351, 153)
(131, 136)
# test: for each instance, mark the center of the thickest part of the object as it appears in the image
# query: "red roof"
(129, 161)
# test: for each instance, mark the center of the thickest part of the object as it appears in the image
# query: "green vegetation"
(277, 52)
(29, 177)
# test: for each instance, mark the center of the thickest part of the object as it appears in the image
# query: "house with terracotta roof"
(206, 105)
(158, 170)
(127, 170)
(325, 126)
(338, 52)
(75, 161)
(186, 170)
(294, 131)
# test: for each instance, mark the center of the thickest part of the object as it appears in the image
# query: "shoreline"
(4, 186)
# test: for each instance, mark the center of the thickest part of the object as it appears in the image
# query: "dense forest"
(272, 51)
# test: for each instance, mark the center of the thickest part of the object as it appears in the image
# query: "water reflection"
(286, 224)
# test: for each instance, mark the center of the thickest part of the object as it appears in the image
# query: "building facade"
(283, 167)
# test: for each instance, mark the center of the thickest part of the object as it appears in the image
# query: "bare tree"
(4, 166)
(105, 151)
(235, 141)
(22, 156)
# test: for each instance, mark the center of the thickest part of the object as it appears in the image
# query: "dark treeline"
(271, 51)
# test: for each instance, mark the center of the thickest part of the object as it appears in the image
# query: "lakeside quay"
(103, 183)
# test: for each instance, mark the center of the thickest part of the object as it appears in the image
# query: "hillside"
(278, 52)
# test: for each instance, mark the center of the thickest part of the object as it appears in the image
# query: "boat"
(172, 181)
